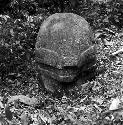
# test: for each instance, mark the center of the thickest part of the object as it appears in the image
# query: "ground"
(22, 101)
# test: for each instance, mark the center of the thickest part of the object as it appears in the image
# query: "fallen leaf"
(117, 52)
(120, 35)
(114, 104)
(24, 119)
(1, 105)
(45, 117)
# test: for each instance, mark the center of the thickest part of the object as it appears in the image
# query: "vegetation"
(22, 101)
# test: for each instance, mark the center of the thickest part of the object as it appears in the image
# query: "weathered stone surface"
(64, 46)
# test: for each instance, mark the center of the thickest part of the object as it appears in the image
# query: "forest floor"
(22, 102)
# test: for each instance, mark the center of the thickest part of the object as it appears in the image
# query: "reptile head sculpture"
(64, 48)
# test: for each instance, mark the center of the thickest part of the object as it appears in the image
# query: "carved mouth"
(67, 74)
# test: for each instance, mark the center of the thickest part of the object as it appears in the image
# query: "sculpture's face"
(64, 46)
